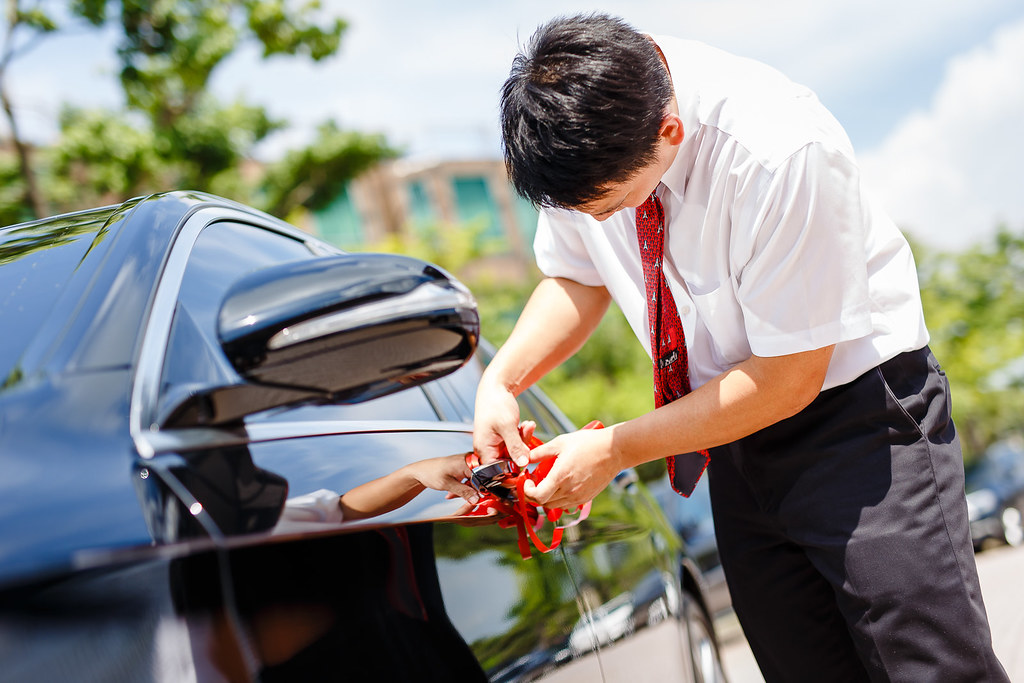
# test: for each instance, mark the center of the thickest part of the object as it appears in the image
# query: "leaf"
(37, 19)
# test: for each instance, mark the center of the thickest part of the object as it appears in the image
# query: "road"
(1002, 584)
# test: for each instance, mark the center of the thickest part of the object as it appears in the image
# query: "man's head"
(582, 110)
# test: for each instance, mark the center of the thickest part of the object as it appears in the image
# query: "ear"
(671, 130)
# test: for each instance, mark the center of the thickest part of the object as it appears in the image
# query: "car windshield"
(36, 262)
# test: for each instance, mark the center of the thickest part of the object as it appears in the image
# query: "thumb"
(468, 493)
(537, 492)
(545, 450)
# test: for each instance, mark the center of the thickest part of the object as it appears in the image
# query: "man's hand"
(557, 319)
(586, 464)
(496, 429)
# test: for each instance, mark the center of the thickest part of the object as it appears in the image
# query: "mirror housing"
(338, 329)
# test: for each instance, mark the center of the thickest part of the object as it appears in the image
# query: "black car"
(995, 495)
(186, 387)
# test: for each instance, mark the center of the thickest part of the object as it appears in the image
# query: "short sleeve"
(560, 249)
(319, 506)
(803, 282)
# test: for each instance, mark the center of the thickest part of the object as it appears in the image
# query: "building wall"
(402, 197)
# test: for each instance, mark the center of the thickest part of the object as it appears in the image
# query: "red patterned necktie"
(668, 345)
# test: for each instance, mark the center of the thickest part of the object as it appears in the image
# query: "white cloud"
(950, 173)
(413, 69)
(428, 76)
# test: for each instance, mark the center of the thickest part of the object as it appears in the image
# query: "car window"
(411, 404)
(456, 393)
(38, 259)
(531, 406)
(223, 253)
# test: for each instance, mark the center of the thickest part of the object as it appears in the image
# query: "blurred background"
(374, 126)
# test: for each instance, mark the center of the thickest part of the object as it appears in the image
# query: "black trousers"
(844, 536)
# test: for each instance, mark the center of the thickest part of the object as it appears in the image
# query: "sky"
(931, 93)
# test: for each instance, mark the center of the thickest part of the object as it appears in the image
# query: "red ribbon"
(525, 517)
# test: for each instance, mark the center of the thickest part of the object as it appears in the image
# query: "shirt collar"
(675, 177)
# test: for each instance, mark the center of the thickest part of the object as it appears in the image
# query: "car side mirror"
(339, 329)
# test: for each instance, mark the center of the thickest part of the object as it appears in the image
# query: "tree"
(314, 176)
(175, 133)
(168, 54)
(170, 49)
(35, 23)
(974, 307)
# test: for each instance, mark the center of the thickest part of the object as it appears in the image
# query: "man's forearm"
(751, 396)
(558, 318)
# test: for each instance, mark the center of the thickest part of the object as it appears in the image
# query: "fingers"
(530, 490)
(526, 430)
(467, 493)
(517, 448)
(539, 493)
(504, 442)
(496, 432)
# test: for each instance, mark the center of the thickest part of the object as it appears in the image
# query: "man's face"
(627, 194)
(633, 192)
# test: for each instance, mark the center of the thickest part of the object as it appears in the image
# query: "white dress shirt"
(773, 246)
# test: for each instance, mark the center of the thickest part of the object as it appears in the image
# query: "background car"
(995, 495)
(186, 385)
(692, 519)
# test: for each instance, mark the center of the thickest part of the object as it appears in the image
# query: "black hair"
(582, 108)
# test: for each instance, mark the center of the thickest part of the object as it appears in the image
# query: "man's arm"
(750, 396)
(558, 318)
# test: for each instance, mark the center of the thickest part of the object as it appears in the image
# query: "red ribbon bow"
(527, 518)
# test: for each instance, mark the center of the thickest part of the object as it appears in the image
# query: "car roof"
(92, 275)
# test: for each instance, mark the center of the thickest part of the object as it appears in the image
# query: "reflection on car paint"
(215, 553)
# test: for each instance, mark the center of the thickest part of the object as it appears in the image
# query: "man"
(789, 302)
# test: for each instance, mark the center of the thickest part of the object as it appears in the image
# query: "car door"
(624, 559)
(290, 589)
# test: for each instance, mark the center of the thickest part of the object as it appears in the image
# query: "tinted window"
(531, 408)
(411, 404)
(223, 253)
(36, 261)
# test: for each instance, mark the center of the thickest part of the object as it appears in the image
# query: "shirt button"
(685, 310)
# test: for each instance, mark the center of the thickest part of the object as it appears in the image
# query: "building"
(401, 197)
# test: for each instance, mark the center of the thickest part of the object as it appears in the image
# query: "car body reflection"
(170, 495)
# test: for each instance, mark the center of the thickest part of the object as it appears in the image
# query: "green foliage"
(279, 33)
(101, 158)
(13, 208)
(213, 139)
(175, 134)
(974, 307)
(609, 379)
(170, 48)
(314, 176)
(36, 18)
(453, 247)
